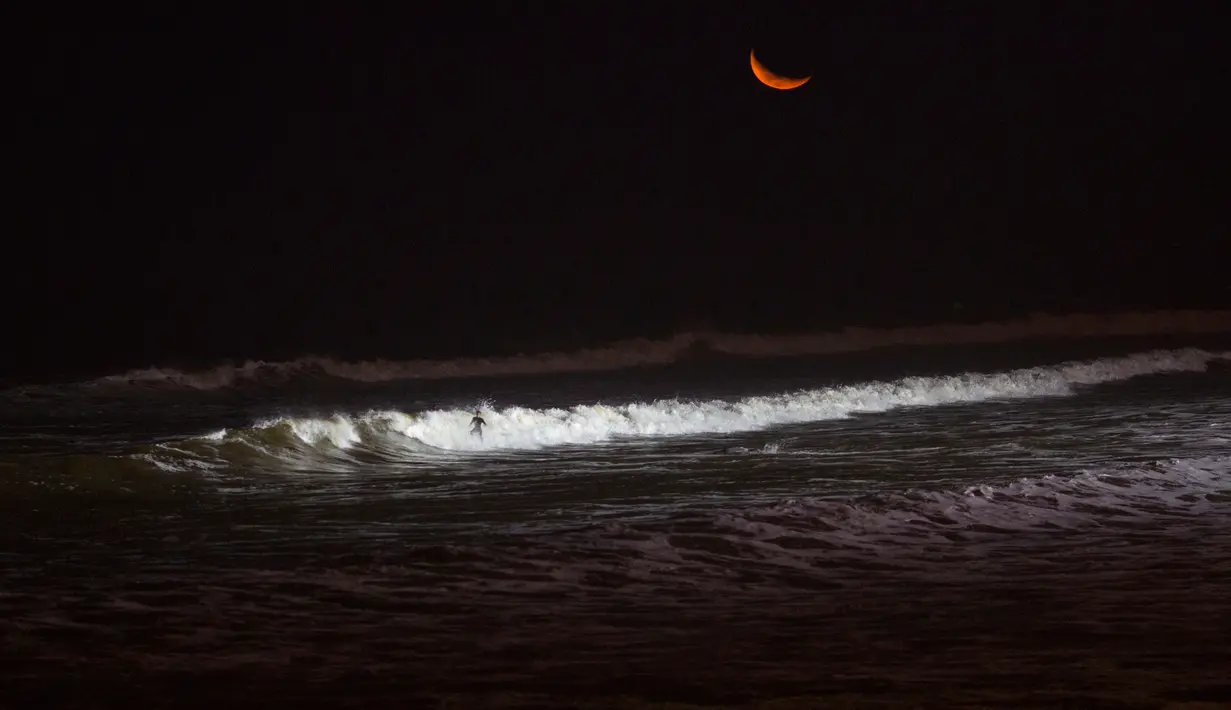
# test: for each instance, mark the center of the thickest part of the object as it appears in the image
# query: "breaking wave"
(346, 440)
(646, 352)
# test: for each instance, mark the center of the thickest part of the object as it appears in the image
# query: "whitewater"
(526, 428)
(1023, 524)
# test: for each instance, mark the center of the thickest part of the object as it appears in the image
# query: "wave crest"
(346, 440)
(689, 346)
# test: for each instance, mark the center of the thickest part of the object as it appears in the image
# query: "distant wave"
(343, 442)
(646, 352)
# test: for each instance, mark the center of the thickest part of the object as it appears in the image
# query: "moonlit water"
(1049, 532)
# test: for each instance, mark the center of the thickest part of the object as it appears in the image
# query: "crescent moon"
(773, 80)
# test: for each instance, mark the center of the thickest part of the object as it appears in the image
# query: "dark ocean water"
(1009, 526)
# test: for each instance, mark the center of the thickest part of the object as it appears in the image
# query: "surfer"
(476, 425)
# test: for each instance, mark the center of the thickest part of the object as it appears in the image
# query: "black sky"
(428, 180)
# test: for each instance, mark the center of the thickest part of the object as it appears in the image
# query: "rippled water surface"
(1061, 541)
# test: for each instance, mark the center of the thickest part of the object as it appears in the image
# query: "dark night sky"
(456, 178)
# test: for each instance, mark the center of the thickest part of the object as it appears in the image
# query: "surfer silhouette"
(476, 425)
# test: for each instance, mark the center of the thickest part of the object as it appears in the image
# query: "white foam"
(1097, 498)
(339, 431)
(525, 428)
(940, 533)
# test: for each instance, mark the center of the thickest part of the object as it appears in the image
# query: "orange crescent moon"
(773, 80)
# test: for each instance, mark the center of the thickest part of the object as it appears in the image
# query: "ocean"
(866, 520)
